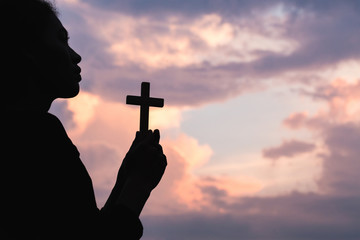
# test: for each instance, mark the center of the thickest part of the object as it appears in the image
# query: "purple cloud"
(333, 214)
(326, 33)
(288, 149)
(322, 41)
(295, 216)
(342, 164)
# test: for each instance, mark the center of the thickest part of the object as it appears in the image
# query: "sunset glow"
(261, 118)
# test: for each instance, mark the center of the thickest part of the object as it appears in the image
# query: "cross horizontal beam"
(144, 101)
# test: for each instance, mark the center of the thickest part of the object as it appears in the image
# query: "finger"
(149, 144)
(157, 136)
(144, 134)
(148, 132)
(146, 146)
(149, 138)
(137, 140)
(155, 148)
(137, 136)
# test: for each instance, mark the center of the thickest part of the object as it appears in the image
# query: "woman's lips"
(77, 73)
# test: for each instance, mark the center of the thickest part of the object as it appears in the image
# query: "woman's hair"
(24, 21)
(22, 25)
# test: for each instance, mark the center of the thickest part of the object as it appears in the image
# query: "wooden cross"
(145, 101)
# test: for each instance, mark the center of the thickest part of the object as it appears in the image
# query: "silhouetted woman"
(46, 192)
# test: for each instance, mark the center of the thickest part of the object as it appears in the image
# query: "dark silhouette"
(145, 101)
(46, 192)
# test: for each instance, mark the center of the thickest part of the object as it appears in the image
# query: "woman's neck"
(34, 103)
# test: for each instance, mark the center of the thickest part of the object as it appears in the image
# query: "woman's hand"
(141, 169)
(140, 172)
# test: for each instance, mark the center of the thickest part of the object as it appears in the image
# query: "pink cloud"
(295, 121)
(331, 213)
(192, 60)
(103, 131)
(188, 207)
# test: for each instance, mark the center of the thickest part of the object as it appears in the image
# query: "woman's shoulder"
(31, 127)
(32, 119)
(36, 136)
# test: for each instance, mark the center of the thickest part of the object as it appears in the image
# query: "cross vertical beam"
(144, 108)
(144, 101)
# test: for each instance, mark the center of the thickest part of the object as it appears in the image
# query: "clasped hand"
(140, 172)
(145, 162)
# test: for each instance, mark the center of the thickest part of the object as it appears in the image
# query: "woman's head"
(39, 63)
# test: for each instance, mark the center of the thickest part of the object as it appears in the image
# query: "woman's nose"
(75, 56)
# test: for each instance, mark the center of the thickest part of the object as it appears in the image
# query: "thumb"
(157, 136)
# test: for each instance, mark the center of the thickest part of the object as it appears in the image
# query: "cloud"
(60, 108)
(186, 206)
(102, 163)
(210, 56)
(296, 216)
(183, 8)
(332, 212)
(192, 61)
(189, 63)
(184, 154)
(341, 163)
(341, 98)
(338, 130)
(295, 120)
(103, 130)
(288, 148)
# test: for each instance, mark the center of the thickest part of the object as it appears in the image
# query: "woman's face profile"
(57, 62)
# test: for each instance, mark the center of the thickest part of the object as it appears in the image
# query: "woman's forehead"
(55, 26)
(56, 22)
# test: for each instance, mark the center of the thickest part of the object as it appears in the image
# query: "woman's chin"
(71, 91)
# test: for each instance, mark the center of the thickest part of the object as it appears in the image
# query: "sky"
(261, 123)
